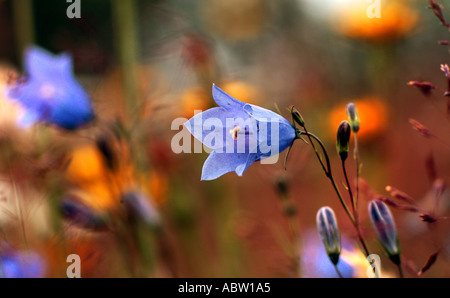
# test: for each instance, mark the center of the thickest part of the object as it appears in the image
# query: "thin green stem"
(337, 271)
(124, 13)
(329, 175)
(23, 23)
(349, 188)
(355, 212)
(400, 271)
(327, 170)
(356, 157)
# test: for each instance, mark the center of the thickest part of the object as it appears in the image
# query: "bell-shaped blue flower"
(15, 264)
(50, 93)
(239, 133)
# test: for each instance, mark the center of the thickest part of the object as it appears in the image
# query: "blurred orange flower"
(97, 185)
(241, 90)
(197, 98)
(158, 186)
(397, 20)
(235, 20)
(373, 114)
(194, 98)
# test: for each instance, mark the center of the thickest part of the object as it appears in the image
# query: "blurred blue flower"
(50, 92)
(239, 133)
(315, 262)
(21, 265)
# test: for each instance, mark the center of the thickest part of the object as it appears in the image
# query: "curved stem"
(337, 271)
(333, 183)
(400, 271)
(327, 170)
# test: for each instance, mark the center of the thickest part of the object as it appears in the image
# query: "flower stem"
(124, 13)
(400, 271)
(356, 157)
(355, 212)
(327, 169)
(337, 271)
(23, 23)
(329, 175)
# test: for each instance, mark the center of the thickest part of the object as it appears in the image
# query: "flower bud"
(297, 116)
(140, 206)
(383, 223)
(343, 139)
(329, 233)
(81, 215)
(353, 117)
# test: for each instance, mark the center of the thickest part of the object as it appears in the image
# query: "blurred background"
(146, 62)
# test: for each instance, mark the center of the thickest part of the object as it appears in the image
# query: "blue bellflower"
(239, 133)
(50, 93)
(21, 265)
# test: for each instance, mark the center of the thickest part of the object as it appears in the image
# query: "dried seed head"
(446, 70)
(420, 128)
(343, 139)
(399, 195)
(426, 217)
(329, 233)
(424, 87)
(353, 117)
(396, 205)
(384, 226)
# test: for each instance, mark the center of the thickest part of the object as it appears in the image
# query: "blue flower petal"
(268, 138)
(38, 60)
(212, 128)
(226, 101)
(218, 164)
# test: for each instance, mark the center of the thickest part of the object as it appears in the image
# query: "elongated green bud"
(329, 233)
(353, 117)
(383, 224)
(343, 139)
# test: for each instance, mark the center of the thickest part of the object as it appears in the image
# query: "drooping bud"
(353, 117)
(140, 206)
(82, 216)
(297, 117)
(343, 139)
(383, 224)
(329, 233)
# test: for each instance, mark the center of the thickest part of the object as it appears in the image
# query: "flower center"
(234, 132)
(47, 91)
